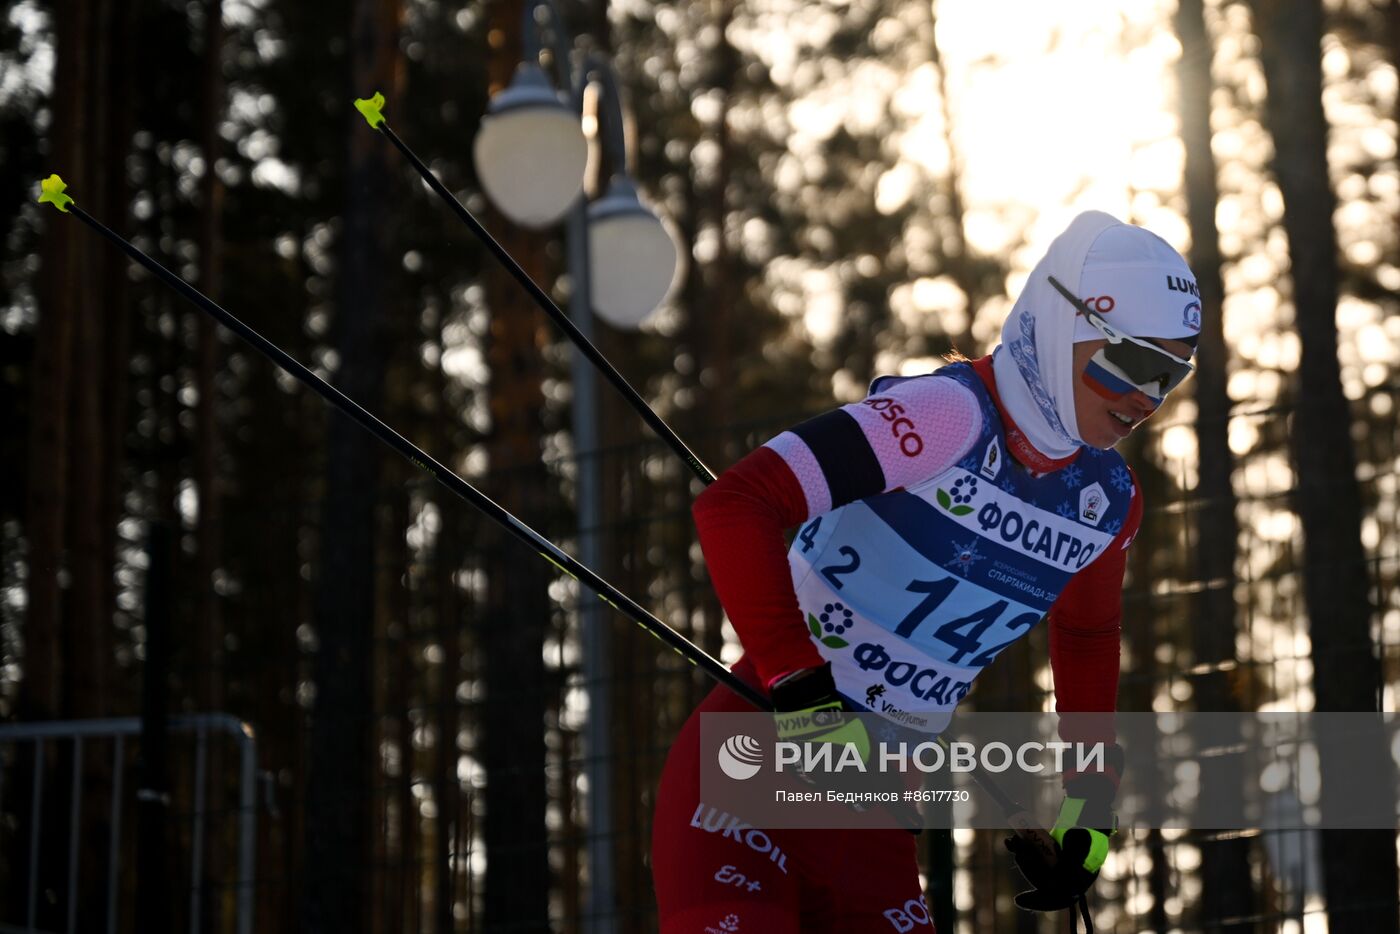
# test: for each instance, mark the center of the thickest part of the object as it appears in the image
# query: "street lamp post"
(621, 263)
(593, 628)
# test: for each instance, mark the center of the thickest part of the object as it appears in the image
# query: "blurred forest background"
(857, 186)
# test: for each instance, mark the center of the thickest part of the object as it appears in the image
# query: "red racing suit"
(924, 551)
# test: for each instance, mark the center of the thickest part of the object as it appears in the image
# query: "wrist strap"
(1071, 814)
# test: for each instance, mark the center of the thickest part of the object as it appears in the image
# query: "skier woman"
(941, 518)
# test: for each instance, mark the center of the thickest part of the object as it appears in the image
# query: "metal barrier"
(118, 730)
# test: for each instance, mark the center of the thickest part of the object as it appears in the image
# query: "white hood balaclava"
(1150, 292)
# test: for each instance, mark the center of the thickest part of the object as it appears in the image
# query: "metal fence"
(107, 751)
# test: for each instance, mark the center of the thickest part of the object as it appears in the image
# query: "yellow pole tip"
(51, 190)
(371, 108)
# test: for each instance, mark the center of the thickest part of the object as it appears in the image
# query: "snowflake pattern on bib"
(911, 593)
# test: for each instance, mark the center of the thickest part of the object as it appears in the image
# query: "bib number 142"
(964, 634)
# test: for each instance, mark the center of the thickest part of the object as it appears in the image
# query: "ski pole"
(52, 191)
(371, 109)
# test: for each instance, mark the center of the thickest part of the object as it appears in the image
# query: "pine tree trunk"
(89, 620)
(154, 910)
(1359, 866)
(514, 621)
(516, 611)
(959, 260)
(1144, 627)
(696, 298)
(116, 290)
(66, 255)
(207, 629)
(97, 432)
(1226, 887)
(64, 250)
(339, 802)
(401, 886)
(724, 293)
(447, 560)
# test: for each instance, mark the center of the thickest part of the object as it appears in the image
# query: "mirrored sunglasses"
(1127, 363)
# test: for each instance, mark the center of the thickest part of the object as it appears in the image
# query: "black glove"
(1059, 884)
(807, 709)
(1081, 834)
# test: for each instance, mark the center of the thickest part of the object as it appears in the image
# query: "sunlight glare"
(1063, 110)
